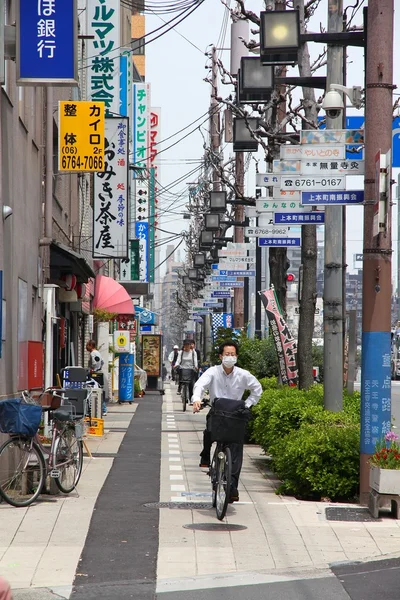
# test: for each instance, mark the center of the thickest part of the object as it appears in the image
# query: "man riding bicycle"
(226, 381)
(187, 359)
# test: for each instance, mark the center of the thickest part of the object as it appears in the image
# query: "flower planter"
(385, 481)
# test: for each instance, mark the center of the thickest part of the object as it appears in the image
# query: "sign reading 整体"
(285, 343)
(103, 51)
(81, 136)
(46, 42)
(110, 211)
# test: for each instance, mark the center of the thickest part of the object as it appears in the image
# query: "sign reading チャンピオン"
(110, 210)
(81, 136)
(46, 49)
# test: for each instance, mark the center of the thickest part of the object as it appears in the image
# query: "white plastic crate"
(96, 403)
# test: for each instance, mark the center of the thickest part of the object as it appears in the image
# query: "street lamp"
(192, 274)
(279, 37)
(212, 221)
(255, 80)
(242, 138)
(199, 260)
(218, 202)
(206, 238)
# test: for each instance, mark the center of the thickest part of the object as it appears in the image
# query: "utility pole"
(333, 285)
(239, 29)
(376, 295)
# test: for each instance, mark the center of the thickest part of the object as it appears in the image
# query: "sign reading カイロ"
(110, 211)
(47, 42)
(81, 136)
(103, 51)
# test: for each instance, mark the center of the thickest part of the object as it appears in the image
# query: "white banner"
(317, 167)
(270, 205)
(273, 231)
(228, 252)
(103, 51)
(316, 182)
(267, 179)
(110, 210)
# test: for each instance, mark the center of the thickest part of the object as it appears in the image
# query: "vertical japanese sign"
(110, 211)
(141, 125)
(103, 51)
(130, 266)
(142, 234)
(285, 344)
(154, 137)
(126, 77)
(47, 35)
(80, 136)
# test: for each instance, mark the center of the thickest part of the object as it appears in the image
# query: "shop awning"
(111, 296)
(65, 261)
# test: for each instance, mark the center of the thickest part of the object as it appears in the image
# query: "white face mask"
(229, 361)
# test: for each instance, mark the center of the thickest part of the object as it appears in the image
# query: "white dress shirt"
(187, 360)
(223, 385)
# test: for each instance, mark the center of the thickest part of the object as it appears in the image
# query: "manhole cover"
(344, 513)
(187, 505)
(214, 527)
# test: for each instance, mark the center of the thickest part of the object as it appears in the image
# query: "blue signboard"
(283, 242)
(123, 85)
(231, 284)
(316, 218)
(213, 304)
(222, 278)
(221, 294)
(126, 377)
(146, 317)
(145, 328)
(142, 234)
(332, 197)
(358, 123)
(47, 42)
(215, 266)
(376, 408)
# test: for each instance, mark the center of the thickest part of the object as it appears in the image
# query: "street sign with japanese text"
(81, 136)
(239, 259)
(265, 231)
(270, 205)
(222, 278)
(316, 182)
(240, 245)
(103, 52)
(332, 136)
(319, 167)
(232, 284)
(142, 233)
(300, 218)
(314, 151)
(267, 179)
(283, 242)
(240, 273)
(141, 126)
(110, 209)
(225, 252)
(221, 294)
(330, 197)
(47, 37)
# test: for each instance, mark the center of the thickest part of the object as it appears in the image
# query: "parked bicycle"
(226, 427)
(25, 461)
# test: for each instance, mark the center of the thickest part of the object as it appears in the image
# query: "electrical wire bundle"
(159, 8)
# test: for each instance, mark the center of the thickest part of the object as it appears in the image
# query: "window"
(137, 45)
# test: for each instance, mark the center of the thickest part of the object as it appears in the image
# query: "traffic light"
(290, 277)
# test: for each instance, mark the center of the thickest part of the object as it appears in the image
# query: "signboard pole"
(333, 289)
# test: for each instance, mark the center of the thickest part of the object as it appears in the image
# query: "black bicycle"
(226, 424)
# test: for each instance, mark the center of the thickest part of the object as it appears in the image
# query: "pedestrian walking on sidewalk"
(187, 359)
(96, 370)
(5, 590)
(226, 381)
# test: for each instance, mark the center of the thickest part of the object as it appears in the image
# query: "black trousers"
(236, 454)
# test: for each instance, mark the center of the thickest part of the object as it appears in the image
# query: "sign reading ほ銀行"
(47, 35)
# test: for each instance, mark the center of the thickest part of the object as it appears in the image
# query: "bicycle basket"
(186, 375)
(226, 428)
(18, 417)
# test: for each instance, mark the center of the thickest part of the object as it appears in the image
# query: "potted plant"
(385, 465)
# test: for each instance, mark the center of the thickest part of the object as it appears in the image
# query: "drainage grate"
(103, 455)
(187, 505)
(214, 527)
(344, 513)
(117, 429)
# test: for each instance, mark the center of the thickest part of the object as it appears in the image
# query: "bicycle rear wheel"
(68, 460)
(184, 395)
(22, 471)
(223, 486)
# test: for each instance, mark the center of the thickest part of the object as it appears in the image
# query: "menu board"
(151, 345)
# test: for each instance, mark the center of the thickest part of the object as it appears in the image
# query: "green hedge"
(314, 452)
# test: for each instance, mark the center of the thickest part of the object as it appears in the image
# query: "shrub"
(320, 459)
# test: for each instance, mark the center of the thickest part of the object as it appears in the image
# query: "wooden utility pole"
(377, 270)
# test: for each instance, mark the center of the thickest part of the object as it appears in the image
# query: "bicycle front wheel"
(68, 461)
(22, 471)
(184, 395)
(213, 477)
(223, 487)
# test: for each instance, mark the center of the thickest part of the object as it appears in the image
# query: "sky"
(176, 68)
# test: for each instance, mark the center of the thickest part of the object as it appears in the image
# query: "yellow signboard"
(81, 136)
